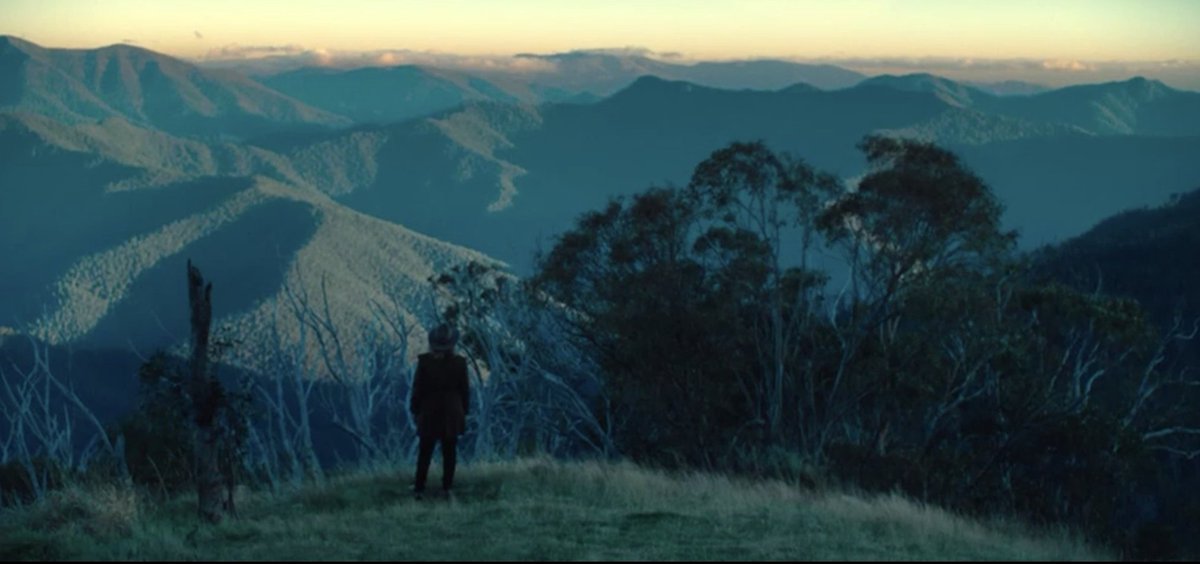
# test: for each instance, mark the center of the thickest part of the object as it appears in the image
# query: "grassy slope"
(530, 509)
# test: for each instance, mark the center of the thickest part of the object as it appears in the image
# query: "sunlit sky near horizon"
(714, 29)
(1063, 34)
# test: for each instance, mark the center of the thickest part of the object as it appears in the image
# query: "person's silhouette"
(439, 404)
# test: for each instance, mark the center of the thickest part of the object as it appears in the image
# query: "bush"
(158, 439)
(16, 487)
(100, 511)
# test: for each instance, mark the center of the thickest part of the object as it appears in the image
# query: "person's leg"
(424, 457)
(449, 461)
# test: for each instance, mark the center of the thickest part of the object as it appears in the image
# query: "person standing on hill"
(439, 404)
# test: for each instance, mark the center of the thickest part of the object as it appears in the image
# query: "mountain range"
(117, 165)
(77, 86)
(389, 94)
(526, 171)
(602, 73)
(100, 212)
(1137, 106)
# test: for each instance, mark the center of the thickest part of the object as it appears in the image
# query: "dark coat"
(440, 395)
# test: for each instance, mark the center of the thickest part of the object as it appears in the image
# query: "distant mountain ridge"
(388, 94)
(604, 73)
(98, 219)
(146, 88)
(949, 91)
(391, 94)
(469, 175)
(1137, 106)
(1009, 87)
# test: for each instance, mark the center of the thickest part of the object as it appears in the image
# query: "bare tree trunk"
(205, 399)
(776, 389)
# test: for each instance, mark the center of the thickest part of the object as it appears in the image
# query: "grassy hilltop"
(532, 509)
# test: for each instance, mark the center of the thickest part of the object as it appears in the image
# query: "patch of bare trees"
(532, 390)
(43, 419)
(535, 389)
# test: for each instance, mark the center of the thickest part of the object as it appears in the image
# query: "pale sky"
(1088, 30)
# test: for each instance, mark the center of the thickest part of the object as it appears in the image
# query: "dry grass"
(533, 509)
(97, 511)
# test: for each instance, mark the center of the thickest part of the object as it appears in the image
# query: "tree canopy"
(942, 366)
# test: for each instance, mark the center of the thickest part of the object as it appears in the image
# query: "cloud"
(1066, 65)
(321, 57)
(387, 59)
(933, 64)
(239, 51)
(629, 51)
(278, 58)
(268, 59)
(1052, 72)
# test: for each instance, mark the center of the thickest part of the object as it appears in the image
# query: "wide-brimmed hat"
(442, 338)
